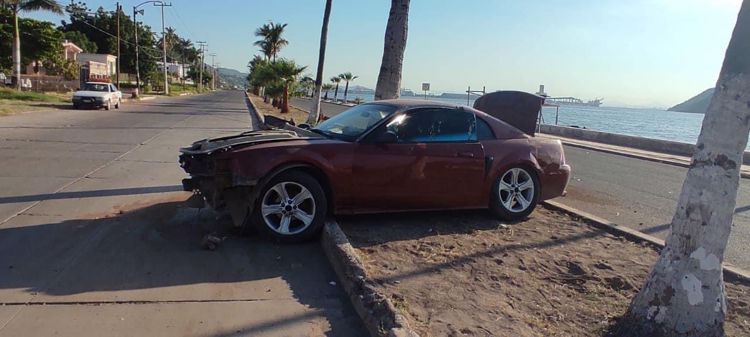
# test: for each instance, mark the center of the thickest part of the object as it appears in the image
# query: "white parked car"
(97, 95)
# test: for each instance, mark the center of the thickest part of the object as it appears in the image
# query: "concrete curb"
(679, 163)
(253, 110)
(377, 312)
(731, 273)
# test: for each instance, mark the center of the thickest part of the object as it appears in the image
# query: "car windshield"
(350, 124)
(95, 87)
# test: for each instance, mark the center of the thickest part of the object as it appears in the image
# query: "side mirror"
(387, 137)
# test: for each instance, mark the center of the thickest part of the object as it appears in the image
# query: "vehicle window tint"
(483, 130)
(434, 126)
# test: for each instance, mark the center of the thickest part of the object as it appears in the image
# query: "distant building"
(107, 64)
(70, 50)
(177, 70)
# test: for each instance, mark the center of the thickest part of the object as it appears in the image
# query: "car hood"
(220, 144)
(84, 93)
(517, 108)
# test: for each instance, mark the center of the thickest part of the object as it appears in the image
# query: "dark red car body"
(361, 177)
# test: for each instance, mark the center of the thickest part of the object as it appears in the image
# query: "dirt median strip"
(377, 312)
(466, 273)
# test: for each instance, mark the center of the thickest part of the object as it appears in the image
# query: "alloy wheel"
(516, 190)
(288, 208)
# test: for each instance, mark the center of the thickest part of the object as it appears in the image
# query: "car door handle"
(465, 154)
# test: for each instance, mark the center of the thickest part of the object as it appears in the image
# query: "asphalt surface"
(96, 240)
(631, 192)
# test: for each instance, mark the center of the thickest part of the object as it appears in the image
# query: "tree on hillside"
(389, 79)
(336, 80)
(684, 294)
(271, 40)
(347, 77)
(15, 7)
(314, 115)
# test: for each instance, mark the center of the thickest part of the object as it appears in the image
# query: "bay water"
(649, 123)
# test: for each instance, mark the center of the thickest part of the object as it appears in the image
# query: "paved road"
(632, 192)
(93, 224)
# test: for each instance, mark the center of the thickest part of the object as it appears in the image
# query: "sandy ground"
(296, 114)
(467, 274)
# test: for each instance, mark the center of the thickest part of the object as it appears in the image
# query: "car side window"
(484, 131)
(432, 125)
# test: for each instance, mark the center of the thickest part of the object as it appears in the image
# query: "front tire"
(515, 194)
(117, 105)
(109, 105)
(291, 208)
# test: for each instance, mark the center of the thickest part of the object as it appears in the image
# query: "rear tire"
(515, 194)
(117, 105)
(290, 208)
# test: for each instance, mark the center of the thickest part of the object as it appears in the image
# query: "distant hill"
(698, 104)
(233, 77)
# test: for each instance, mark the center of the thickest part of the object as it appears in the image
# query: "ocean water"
(650, 123)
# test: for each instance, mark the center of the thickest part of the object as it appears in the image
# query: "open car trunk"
(517, 108)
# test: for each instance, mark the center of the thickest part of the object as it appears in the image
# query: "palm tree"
(271, 41)
(336, 80)
(314, 114)
(15, 7)
(326, 88)
(308, 84)
(287, 72)
(684, 295)
(389, 79)
(347, 77)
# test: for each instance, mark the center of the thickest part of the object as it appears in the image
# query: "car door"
(431, 160)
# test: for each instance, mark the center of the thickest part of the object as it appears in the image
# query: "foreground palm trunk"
(314, 115)
(389, 79)
(684, 294)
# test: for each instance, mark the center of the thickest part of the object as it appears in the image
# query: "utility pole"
(137, 60)
(200, 77)
(213, 71)
(164, 44)
(118, 45)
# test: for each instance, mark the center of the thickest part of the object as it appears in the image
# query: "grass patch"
(10, 94)
(14, 102)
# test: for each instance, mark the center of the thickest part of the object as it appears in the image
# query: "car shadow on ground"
(157, 251)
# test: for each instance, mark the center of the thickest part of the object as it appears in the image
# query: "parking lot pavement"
(95, 238)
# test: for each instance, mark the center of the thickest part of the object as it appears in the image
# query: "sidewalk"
(633, 153)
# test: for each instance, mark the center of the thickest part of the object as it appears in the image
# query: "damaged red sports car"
(393, 155)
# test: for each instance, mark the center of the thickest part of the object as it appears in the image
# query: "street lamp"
(163, 43)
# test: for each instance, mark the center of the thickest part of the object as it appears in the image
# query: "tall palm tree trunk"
(16, 48)
(285, 100)
(684, 294)
(346, 90)
(389, 79)
(336, 93)
(314, 115)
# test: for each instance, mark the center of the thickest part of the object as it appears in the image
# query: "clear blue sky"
(635, 52)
